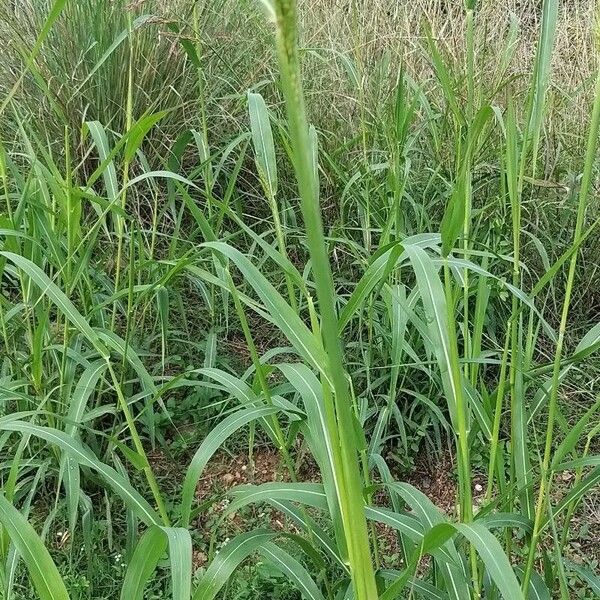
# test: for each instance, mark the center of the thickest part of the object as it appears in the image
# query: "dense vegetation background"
(331, 344)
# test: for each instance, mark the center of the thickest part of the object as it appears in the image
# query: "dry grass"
(378, 36)
(354, 50)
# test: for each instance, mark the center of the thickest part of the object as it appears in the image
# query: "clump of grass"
(387, 331)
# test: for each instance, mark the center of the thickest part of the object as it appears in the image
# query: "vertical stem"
(470, 59)
(5, 186)
(578, 474)
(125, 178)
(546, 475)
(262, 378)
(202, 110)
(470, 63)
(497, 418)
(462, 424)
(70, 249)
(281, 242)
(139, 447)
(363, 125)
(351, 495)
(515, 173)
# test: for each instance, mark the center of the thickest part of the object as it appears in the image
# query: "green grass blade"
(42, 570)
(142, 565)
(84, 456)
(584, 486)
(264, 147)
(282, 314)
(227, 560)
(180, 557)
(309, 494)
(49, 288)
(292, 569)
(592, 579)
(55, 12)
(139, 22)
(210, 445)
